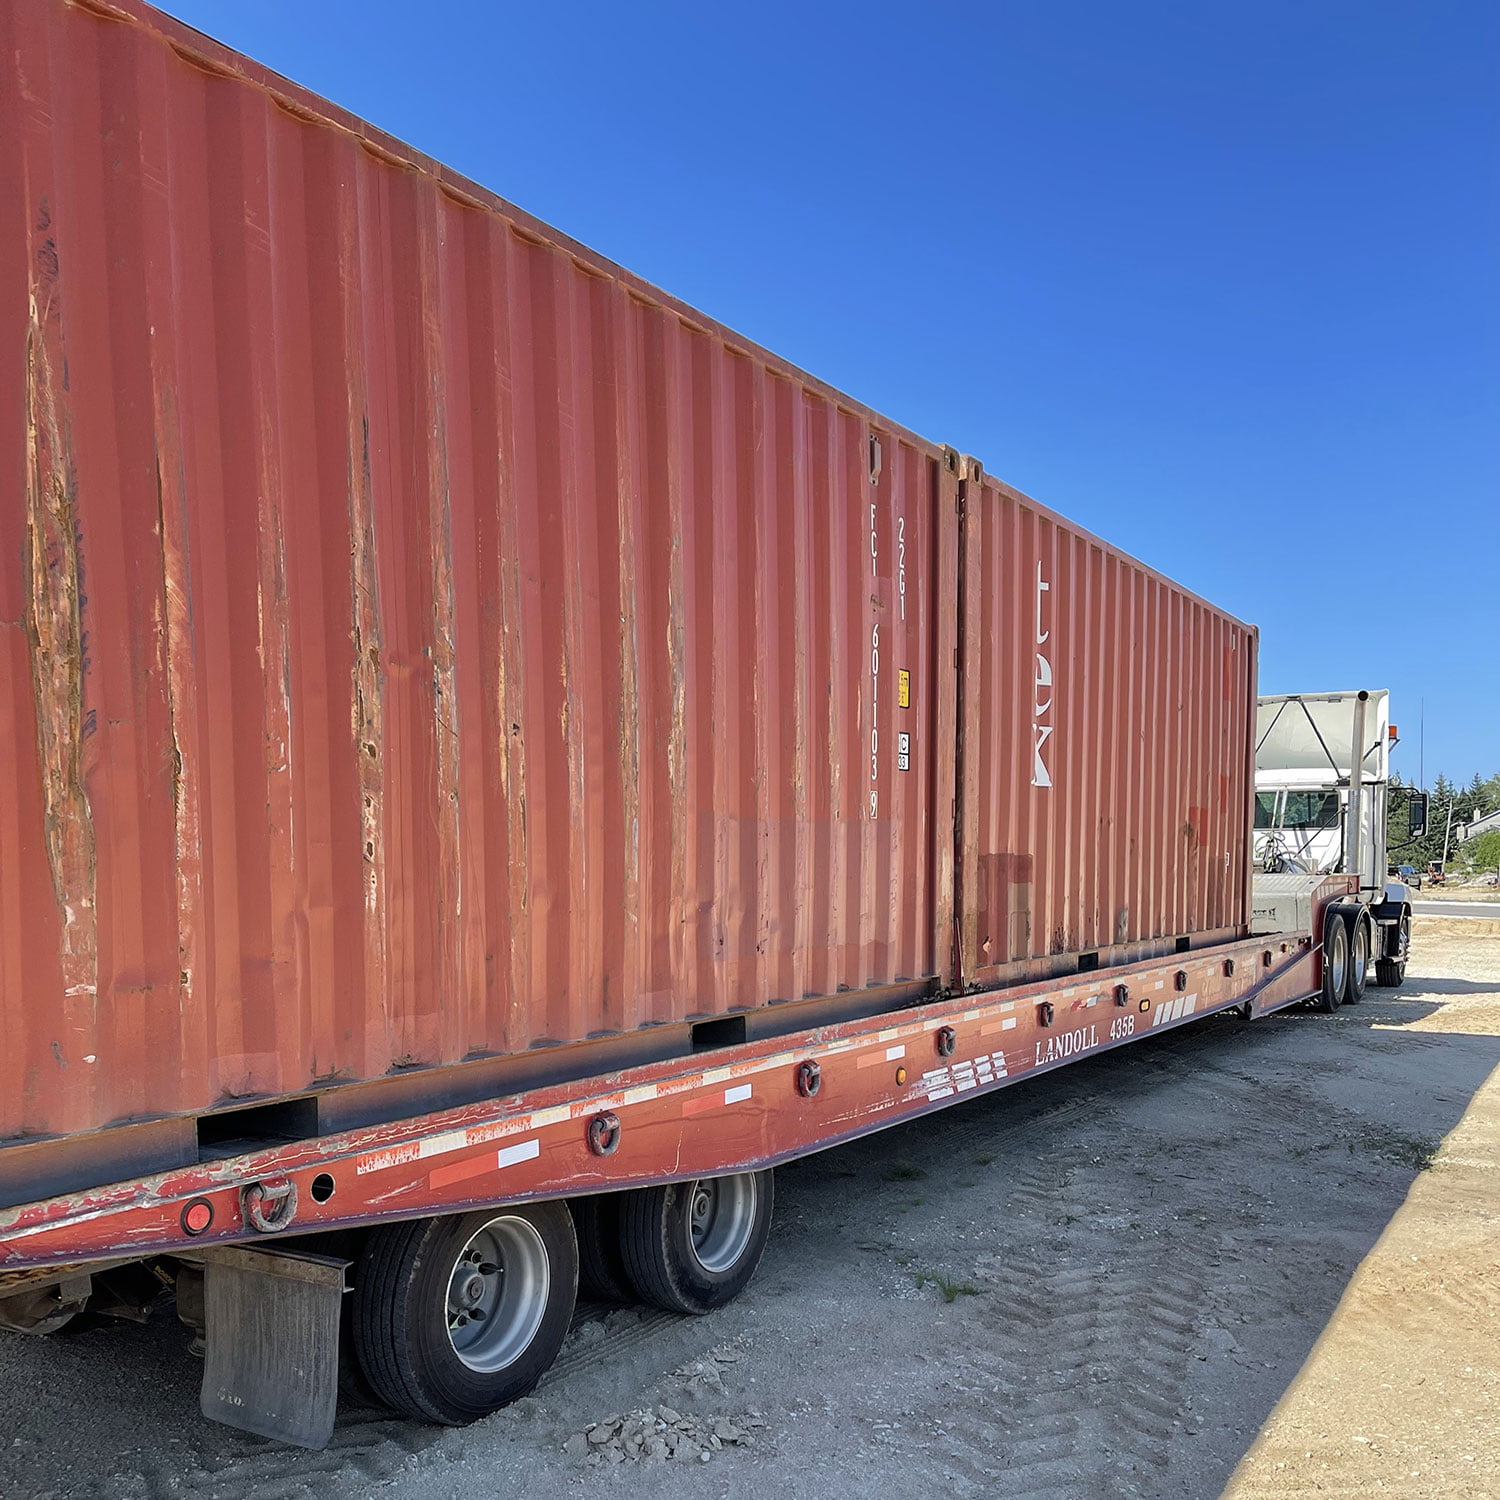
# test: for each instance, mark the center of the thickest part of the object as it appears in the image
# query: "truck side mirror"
(1416, 815)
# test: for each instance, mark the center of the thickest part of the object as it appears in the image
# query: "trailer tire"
(601, 1261)
(1335, 962)
(690, 1247)
(455, 1317)
(1359, 957)
(1390, 972)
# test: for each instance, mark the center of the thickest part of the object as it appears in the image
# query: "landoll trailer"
(492, 762)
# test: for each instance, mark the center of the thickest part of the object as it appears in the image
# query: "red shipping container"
(426, 643)
(1106, 751)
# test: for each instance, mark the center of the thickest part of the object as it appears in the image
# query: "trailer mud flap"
(271, 1364)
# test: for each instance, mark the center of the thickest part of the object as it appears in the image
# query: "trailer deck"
(733, 1110)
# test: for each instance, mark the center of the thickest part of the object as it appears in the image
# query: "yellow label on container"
(903, 687)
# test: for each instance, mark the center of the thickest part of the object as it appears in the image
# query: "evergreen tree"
(1480, 797)
(1483, 854)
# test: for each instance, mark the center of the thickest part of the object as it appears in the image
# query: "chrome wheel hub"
(497, 1294)
(722, 1212)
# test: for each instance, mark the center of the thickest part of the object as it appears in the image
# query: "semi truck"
(1322, 787)
(493, 762)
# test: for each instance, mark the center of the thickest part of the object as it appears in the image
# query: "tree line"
(1463, 803)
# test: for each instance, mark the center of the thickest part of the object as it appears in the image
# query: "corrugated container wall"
(424, 641)
(1106, 765)
(420, 640)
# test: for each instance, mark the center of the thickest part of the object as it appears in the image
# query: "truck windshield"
(1303, 810)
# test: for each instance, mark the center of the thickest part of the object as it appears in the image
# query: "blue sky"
(1219, 281)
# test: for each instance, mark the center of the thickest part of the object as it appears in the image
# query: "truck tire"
(693, 1246)
(455, 1317)
(1359, 957)
(601, 1261)
(1391, 971)
(1335, 962)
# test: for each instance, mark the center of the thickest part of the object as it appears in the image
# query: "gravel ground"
(1148, 1275)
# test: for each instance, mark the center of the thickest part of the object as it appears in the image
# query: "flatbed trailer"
(273, 1363)
(494, 762)
(751, 1107)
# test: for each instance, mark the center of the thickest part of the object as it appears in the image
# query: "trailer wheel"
(693, 1246)
(601, 1263)
(1335, 962)
(1392, 971)
(455, 1317)
(1359, 957)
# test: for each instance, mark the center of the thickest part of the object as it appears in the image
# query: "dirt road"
(1109, 1282)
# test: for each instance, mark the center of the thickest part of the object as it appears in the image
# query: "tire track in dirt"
(1058, 1415)
(602, 1331)
(1049, 1409)
(1043, 1414)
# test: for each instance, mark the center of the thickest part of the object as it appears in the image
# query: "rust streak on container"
(501, 653)
(54, 625)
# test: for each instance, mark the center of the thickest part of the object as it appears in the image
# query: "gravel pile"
(661, 1434)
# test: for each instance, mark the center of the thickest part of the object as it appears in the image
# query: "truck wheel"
(1391, 971)
(1335, 962)
(455, 1317)
(601, 1263)
(693, 1246)
(1359, 957)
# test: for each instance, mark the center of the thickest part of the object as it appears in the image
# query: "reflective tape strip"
(454, 1140)
(701, 1102)
(506, 1156)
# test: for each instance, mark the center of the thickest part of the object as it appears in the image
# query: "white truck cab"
(1322, 778)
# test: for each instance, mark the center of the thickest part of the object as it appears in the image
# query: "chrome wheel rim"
(1361, 955)
(497, 1294)
(1338, 961)
(721, 1216)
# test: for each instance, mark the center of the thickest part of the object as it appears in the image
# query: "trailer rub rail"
(662, 1122)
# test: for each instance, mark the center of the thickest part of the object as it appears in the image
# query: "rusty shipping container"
(1106, 722)
(428, 648)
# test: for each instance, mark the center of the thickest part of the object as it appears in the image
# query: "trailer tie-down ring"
(604, 1134)
(269, 1205)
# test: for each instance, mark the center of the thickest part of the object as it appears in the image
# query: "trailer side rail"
(734, 1110)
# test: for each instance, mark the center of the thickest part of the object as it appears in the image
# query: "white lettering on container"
(1041, 707)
